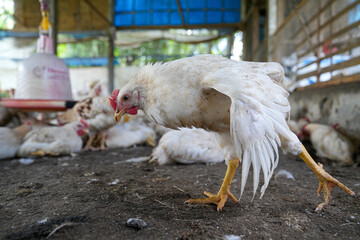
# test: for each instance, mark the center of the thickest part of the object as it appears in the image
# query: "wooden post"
(54, 23)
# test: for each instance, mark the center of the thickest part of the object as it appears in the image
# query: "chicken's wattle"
(132, 111)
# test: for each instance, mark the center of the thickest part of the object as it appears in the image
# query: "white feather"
(134, 132)
(188, 146)
(254, 120)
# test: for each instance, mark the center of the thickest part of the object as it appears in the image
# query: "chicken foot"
(326, 181)
(89, 143)
(224, 193)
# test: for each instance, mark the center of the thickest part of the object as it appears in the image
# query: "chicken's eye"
(126, 97)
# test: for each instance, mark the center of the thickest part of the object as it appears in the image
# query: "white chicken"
(296, 126)
(98, 114)
(330, 143)
(54, 140)
(11, 139)
(131, 132)
(242, 102)
(293, 126)
(187, 146)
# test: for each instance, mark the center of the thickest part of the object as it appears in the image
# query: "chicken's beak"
(118, 114)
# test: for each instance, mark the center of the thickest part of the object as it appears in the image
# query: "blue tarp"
(155, 13)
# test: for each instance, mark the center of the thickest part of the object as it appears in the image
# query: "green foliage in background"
(6, 14)
(159, 50)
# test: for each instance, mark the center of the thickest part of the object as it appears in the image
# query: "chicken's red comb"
(113, 98)
(303, 128)
(336, 126)
(306, 119)
(28, 123)
(83, 122)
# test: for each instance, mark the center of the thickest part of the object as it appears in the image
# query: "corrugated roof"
(176, 13)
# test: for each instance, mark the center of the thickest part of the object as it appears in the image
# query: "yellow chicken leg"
(224, 193)
(102, 141)
(41, 153)
(151, 142)
(38, 153)
(89, 143)
(326, 181)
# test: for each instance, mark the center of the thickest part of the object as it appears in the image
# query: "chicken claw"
(326, 181)
(224, 192)
(219, 199)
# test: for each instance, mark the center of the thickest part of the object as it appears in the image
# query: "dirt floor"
(93, 194)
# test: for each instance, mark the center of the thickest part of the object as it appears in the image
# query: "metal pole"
(54, 23)
(230, 44)
(111, 60)
(111, 36)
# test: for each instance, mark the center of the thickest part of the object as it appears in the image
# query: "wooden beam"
(180, 12)
(99, 13)
(332, 83)
(345, 49)
(313, 18)
(337, 16)
(291, 15)
(341, 65)
(337, 34)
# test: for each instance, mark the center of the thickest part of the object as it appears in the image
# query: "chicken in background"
(354, 139)
(329, 143)
(98, 114)
(296, 126)
(95, 89)
(37, 120)
(187, 146)
(11, 139)
(132, 131)
(5, 116)
(54, 141)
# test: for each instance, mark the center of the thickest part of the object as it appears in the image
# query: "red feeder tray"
(38, 105)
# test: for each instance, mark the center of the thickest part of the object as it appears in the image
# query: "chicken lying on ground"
(11, 139)
(330, 143)
(187, 146)
(98, 114)
(242, 102)
(132, 131)
(54, 141)
(354, 139)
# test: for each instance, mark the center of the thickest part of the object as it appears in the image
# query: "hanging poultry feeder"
(44, 81)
